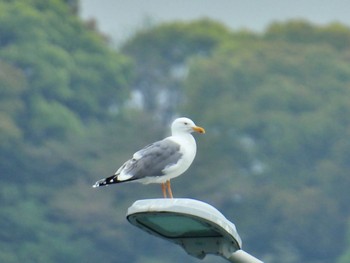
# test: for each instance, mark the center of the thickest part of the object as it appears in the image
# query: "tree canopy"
(274, 160)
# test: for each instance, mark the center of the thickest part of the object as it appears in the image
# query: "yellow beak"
(198, 129)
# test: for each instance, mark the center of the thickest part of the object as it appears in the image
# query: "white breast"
(188, 149)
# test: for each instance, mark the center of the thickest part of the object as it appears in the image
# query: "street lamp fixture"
(198, 227)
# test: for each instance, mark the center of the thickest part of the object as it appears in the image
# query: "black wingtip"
(100, 183)
(106, 181)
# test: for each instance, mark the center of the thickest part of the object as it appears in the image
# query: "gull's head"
(185, 125)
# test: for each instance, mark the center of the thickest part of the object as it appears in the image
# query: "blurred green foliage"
(274, 160)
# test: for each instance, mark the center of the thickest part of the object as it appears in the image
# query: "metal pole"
(240, 256)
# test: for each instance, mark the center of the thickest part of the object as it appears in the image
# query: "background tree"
(160, 55)
(279, 126)
(61, 88)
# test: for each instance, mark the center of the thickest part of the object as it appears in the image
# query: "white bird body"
(172, 171)
(160, 161)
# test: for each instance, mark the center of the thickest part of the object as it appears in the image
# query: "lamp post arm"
(240, 256)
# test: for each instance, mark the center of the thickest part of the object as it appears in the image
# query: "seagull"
(162, 160)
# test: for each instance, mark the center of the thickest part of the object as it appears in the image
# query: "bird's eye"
(186, 123)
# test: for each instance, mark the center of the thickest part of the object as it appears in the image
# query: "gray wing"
(152, 160)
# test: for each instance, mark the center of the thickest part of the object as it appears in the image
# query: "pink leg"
(169, 189)
(164, 190)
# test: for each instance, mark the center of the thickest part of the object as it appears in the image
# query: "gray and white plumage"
(160, 161)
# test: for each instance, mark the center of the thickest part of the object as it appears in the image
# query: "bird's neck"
(181, 134)
(184, 136)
